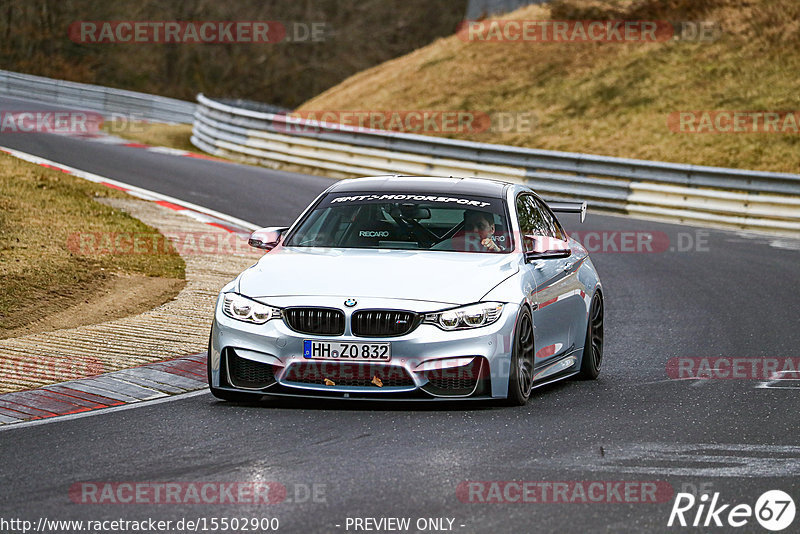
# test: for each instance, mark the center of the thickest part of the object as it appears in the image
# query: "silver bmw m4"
(411, 288)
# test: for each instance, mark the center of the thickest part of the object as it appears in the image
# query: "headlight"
(248, 310)
(472, 316)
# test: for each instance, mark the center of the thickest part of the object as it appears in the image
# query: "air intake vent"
(383, 323)
(456, 381)
(318, 321)
(248, 374)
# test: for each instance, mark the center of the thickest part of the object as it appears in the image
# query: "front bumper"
(427, 363)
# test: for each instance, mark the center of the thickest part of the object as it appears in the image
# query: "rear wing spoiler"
(569, 207)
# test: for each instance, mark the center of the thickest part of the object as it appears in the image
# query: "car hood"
(446, 277)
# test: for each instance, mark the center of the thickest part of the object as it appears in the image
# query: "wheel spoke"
(525, 379)
(525, 357)
(596, 331)
(528, 347)
(525, 332)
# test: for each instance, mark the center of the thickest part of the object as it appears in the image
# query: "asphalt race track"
(728, 295)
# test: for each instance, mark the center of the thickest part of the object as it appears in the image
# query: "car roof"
(423, 184)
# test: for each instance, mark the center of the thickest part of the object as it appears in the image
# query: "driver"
(476, 235)
(479, 227)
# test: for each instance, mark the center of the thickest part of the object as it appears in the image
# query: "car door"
(551, 309)
(573, 295)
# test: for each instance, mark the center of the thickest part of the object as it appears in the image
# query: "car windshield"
(445, 222)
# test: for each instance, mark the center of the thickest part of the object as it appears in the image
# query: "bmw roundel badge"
(350, 303)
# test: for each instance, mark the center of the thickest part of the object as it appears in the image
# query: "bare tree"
(357, 35)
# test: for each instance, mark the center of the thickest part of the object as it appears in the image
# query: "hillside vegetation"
(355, 35)
(605, 97)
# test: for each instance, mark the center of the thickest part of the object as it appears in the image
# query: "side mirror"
(539, 247)
(266, 238)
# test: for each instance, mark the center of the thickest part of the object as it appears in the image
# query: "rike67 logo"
(774, 511)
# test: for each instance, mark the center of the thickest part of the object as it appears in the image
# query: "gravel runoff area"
(177, 328)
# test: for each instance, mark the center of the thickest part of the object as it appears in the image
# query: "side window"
(531, 218)
(550, 221)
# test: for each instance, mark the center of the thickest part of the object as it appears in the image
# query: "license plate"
(325, 350)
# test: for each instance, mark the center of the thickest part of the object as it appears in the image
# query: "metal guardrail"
(105, 100)
(483, 8)
(729, 198)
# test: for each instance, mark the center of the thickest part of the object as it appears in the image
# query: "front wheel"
(520, 377)
(593, 345)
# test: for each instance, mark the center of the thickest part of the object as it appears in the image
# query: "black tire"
(592, 357)
(520, 375)
(231, 396)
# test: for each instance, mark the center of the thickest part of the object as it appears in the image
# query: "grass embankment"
(40, 276)
(610, 98)
(156, 134)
